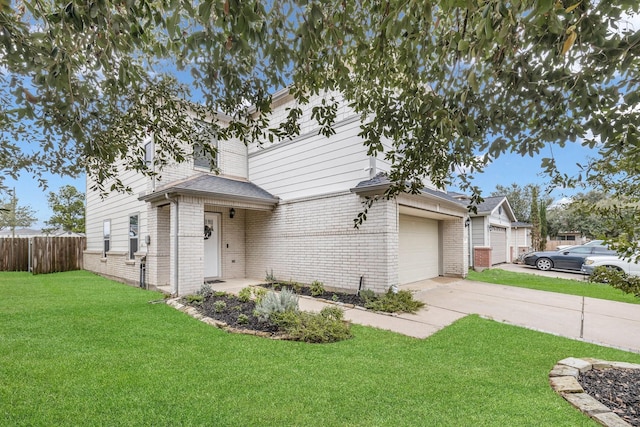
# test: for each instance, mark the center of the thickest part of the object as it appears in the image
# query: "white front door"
(211, 245)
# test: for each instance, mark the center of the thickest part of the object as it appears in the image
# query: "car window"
(581, 250)
(601, 249)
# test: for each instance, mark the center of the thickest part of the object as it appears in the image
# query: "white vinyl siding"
(312, 164)
(116, 207)
(419, 254)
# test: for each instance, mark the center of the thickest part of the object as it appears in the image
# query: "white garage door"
(419, 249)
(498, 245)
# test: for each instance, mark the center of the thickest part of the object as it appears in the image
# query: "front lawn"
(564, 286)
(76, 349)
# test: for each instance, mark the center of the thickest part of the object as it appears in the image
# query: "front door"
(211, 245)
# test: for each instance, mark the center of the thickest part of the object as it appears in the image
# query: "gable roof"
(490, 204)
(215, 186)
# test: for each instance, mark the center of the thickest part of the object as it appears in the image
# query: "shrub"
(243, 319)
(275, 302)
(194, 299)
(205, 290)
(367, 295)
(617, 279)
(324, 327)
(395, 302)
(245, 294)
(219, 306)
(316, 288)
(259, 293)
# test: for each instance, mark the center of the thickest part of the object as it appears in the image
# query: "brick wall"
(314, 239)
(455, 248)
(482, 258)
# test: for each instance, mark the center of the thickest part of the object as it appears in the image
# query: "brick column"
(482, 257)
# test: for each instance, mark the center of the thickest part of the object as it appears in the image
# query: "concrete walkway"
(606, 323)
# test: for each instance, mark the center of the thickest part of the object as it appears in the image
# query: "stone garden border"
(564, 380)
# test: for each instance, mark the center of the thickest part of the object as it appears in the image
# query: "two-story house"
(285, 208)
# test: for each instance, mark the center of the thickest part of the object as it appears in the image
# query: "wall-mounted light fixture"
(232, 213)
(467, 222)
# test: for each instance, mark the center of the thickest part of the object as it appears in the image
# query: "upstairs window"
(148, 153)
(202, 159)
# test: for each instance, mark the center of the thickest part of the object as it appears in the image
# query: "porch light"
(232, 213)
(467, 222)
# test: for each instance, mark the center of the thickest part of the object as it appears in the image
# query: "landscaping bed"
(617, 389)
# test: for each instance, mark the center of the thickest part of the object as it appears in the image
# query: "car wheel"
(544, 264)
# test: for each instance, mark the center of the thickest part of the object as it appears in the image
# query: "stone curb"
(563, 378)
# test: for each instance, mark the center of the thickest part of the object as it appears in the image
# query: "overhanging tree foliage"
(450, 82)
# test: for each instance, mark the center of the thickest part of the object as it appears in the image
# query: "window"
(148, 153)
(133, 235)
(202, 159)
(106, 236)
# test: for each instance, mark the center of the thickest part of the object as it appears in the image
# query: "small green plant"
(195, 299)
(259, 294)
(245, 294)
(367, 295)
(269, 277)
(316, 288)
(219, 294)
(276, 302)
(236, 308)
(295, 286)
(243, 319)
(395, 302)
(219, 306)
(335, 298)
(205, 290)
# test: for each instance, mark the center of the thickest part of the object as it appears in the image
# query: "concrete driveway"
(608, 323)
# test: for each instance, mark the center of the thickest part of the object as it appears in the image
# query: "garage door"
(498, 245)
(419, 249)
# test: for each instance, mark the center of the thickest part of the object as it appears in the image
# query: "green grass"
(76, 349)
(564, 286)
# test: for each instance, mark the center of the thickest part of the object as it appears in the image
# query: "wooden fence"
(41, 255)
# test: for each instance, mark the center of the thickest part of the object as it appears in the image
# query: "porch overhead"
(216, 187)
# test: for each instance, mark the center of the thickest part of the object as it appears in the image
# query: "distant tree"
(68, 210)
(535, 220)
(543, 226)
(519, 198)
(584, 214)
(13, 215)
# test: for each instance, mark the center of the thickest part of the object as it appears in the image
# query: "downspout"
(176, 248)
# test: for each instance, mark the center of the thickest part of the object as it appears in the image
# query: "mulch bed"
(618, 389)
(232, 313)
(342, 297)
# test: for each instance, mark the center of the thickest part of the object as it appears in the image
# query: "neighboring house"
(490, 230)
(566, 238)
(285, 208)
(520, 239)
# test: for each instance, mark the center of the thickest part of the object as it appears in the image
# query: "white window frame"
(135, 236)
(106, 237)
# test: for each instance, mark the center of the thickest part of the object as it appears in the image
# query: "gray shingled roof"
(216, 186)
(381, 181)
(489, 204)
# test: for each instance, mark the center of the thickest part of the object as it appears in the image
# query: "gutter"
(176, 246)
